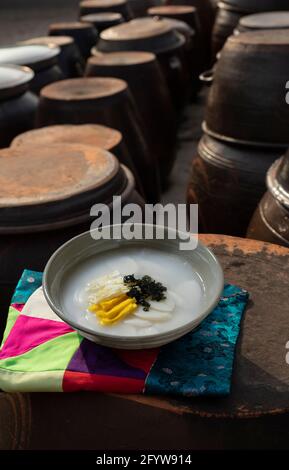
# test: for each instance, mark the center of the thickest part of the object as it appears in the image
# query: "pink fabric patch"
(29, 332)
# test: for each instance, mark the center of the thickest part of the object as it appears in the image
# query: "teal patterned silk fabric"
(201, 363)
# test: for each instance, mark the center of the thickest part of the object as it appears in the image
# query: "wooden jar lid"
(83, 89)
(83, 134)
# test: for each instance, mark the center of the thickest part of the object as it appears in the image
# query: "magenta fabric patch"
(29, 332)
(18, 307)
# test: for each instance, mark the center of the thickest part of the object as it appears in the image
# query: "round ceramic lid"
(27, 55)
(12, 76)
(79, 89)
(59, 41)
(38, 175)
(122, 58)
(136, 29)
(269, 20)
(89, 134)
(101, 3)
(258, 5)
(172, 10)
(270, 37)
(102, 17)
(153, 34)
(70, 25)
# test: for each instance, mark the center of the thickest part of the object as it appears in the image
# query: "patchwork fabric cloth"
(40, 352)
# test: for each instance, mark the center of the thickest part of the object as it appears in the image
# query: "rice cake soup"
(99, 292)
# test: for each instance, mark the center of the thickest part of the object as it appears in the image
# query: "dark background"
(24, 19)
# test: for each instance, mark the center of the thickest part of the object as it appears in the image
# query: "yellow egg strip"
(115, 310)
(129, 309)
(109, 304)
(112, 310)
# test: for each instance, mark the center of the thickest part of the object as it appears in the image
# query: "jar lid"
(149, 34)
(41, 185)
(82, 89)
(109, 16)
(257, 5)
(13, 78)
(89, 134)
(70, 26)
(60, 41)
(137, 29)
(268, 37)
(33, 175)
(34, 56)
(268, 20)
(101, 3)
(103, 20)
(172, 10)
(121, 58)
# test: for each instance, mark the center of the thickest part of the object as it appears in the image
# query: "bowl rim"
(186, 327)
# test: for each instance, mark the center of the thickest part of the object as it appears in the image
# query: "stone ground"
(23, 19)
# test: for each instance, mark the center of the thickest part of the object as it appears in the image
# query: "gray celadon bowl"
(84, 247)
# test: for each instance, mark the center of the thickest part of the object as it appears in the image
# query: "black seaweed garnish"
(144, 289)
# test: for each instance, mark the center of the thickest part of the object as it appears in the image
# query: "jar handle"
(207, 77)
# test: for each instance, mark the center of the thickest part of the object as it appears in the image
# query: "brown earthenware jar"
(142, 72)
(206, 15)
(271, 220)
(247, 100)
(104, 101)
(227, 19)
(88, 7)
(227, 181)
(46, 194)
(157, 36)
(18, 105)
(70, 60)
(231, 11)
(84, 134)
(102, 21)
(139, 7)
(195, 46)
(84, 34)
(43, 60)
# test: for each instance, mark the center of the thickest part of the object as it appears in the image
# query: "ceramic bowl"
(72, 257)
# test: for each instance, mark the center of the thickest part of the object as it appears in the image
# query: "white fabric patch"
(37, 307)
